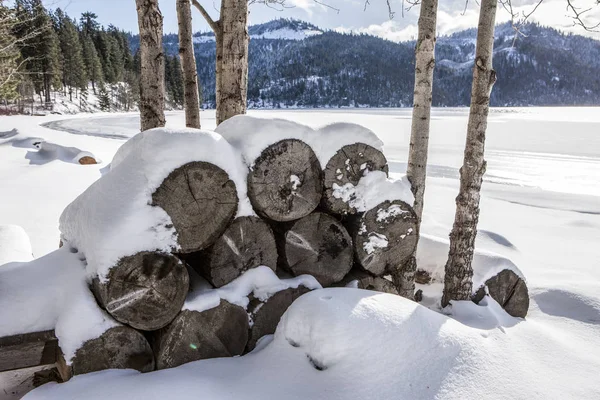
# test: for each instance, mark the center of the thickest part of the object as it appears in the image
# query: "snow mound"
(355, 344)
(113, 218)
(51, 292)
(14, 245)
(260, 281)
(251, 135)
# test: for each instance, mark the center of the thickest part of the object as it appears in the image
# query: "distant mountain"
(296, 64)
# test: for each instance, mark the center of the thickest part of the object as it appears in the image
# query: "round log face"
(246, 244)
(286, 182)
(509, 290)
(120, 347)
(201, 201)
(219, 332)
(145, 291)
(347, 166)
(266, 315)
(386, 236)
(320, 246)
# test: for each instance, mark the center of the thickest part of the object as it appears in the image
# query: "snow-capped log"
(201, 201)
(221, 331)
(345, 168)
(385, 237)
(145, 291)
(247, 243)
(359, 279)
(285, 183)
(119, 347)
(317, 245)
(509, 290)
(266, 315)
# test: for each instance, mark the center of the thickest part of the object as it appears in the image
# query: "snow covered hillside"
(540, 210)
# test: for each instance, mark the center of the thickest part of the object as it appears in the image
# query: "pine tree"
(103, 98)
(9, 55)
(89, 24)
(74, 71)
(93, 66)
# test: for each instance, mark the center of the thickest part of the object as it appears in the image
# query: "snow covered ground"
(540, 208)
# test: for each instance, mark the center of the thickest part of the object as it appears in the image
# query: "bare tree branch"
(578, 18)
(213, 25)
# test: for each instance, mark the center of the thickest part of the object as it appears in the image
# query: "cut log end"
(385, 237)
(118, 348)
(87, 160)
(218, 332)
(509, 290)
(201, 201)
(246, 244)
(266, 315)
(286, 181)
(320, 246)
(346, 167)
(145, 291)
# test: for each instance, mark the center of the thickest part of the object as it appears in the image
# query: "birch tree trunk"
(191, 100)
(231, 99)
(458, 281)
(152, 87)
(419, 136)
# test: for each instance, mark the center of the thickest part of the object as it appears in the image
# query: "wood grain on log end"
(320, 246)
(247, 243)
(286, 181)
(145, 291)
(347, 166)
(385, 237)
(120, 347)
(509, 290)
(266, 315)
(201, 201)
(218, 332)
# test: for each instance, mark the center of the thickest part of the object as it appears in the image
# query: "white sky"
(352, 15)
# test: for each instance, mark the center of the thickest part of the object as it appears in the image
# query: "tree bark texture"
(458, 280)
(191, 99)
(152, 88)
(419, 136)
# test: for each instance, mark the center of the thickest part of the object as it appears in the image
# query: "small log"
(201, 201)
(120, 347)
(285, 183)
(145, 291)
(509, 290)
(246, 244)
(87, 160)
(347, 166)
(265, 316)
(320, 246)
(385, 237)
(366, 281)
(218, 332)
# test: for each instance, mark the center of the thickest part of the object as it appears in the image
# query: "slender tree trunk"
(191, 101)
(232, 96)
(94, 87)
(459, 272)
(152, 90)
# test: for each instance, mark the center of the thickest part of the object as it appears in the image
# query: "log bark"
(218, 332)
(265, 316)
(201, 201)
(421, 115)
(28, 350)
(145, 291)
(120, 347)
(320, 246)
(247, 243)
(191, 98)
(347, 166)
(286, 181)
(509, 290)
(152, 87)
(385, 237)
(363, 280)
(458, 281)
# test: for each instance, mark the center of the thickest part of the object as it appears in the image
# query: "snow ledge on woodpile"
(114, 218)
(357, 344)
(252, 135)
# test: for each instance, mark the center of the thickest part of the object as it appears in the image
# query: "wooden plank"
(28, 350)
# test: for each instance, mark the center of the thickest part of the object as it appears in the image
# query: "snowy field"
(540, 208)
